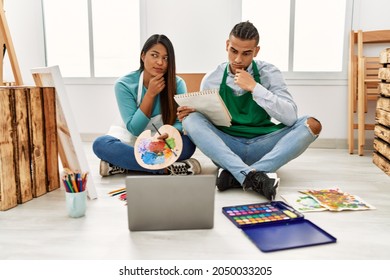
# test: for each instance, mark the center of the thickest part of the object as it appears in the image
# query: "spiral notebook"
(209, 103)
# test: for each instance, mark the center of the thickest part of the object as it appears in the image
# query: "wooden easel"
(70, 146)
(6, 45)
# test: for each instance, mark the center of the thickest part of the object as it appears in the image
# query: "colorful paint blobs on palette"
(155, 152)
(254, 214)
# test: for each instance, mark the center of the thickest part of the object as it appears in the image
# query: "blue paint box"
(274, 226)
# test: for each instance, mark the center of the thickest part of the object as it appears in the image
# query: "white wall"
(187, 22)
(372, 15)
(94, 105)
(24, 18)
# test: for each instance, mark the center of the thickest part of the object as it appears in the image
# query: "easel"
(69, 145)
(7, 45)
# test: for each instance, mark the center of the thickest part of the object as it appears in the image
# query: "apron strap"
(140, 87)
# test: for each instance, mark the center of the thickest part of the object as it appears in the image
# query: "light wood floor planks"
(40, 229)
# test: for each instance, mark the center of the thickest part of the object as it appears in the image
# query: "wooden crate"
(381, 156)
(8, 194)
(28, 144)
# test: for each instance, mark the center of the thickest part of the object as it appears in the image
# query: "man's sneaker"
(227, 181)
(186, 167)
(261, 183)
(107, 169)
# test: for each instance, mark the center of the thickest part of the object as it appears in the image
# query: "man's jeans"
(265, 153)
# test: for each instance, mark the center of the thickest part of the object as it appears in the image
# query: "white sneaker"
(107, 169)
(186, 167)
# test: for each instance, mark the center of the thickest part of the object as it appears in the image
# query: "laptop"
(162, 202)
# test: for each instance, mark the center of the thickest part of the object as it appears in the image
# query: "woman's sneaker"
(186, 167)
(107, 169)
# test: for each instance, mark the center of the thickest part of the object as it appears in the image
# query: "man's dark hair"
(245, 31)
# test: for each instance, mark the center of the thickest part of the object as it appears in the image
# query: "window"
(99, 38)
(272, 20)
(300, 35)
(319, 35)
(90, 45)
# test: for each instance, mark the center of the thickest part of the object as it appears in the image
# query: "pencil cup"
(76, 204)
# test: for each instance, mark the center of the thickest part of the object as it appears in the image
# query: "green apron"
(248, 118)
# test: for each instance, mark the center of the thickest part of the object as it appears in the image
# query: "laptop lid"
(162, 202)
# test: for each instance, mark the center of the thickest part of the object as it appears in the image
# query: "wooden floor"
(40, 229)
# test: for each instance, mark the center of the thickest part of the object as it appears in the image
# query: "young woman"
(145, 98)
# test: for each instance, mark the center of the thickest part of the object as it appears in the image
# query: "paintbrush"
(169, 146)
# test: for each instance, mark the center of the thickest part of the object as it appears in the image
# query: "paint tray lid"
(281, 236)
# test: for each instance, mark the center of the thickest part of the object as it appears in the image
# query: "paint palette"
(153, 153)
(274, 226)
(261, 213)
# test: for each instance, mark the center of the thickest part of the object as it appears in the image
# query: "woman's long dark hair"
(168, 104)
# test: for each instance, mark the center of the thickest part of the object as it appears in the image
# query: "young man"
(265, 133)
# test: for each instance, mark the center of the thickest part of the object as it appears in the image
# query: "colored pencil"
(74, 181)
(118, 190)
(117, 193)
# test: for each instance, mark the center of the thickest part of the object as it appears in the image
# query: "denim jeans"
(265, 153)
(112, 150)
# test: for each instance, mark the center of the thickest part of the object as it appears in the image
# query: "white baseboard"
(331, 143)
(320, 143)
(89, 137)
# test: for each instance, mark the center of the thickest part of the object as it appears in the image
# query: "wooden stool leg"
(361, 101)
(352, 76)
(350, 120)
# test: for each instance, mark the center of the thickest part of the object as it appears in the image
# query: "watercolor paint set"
(274, 226)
